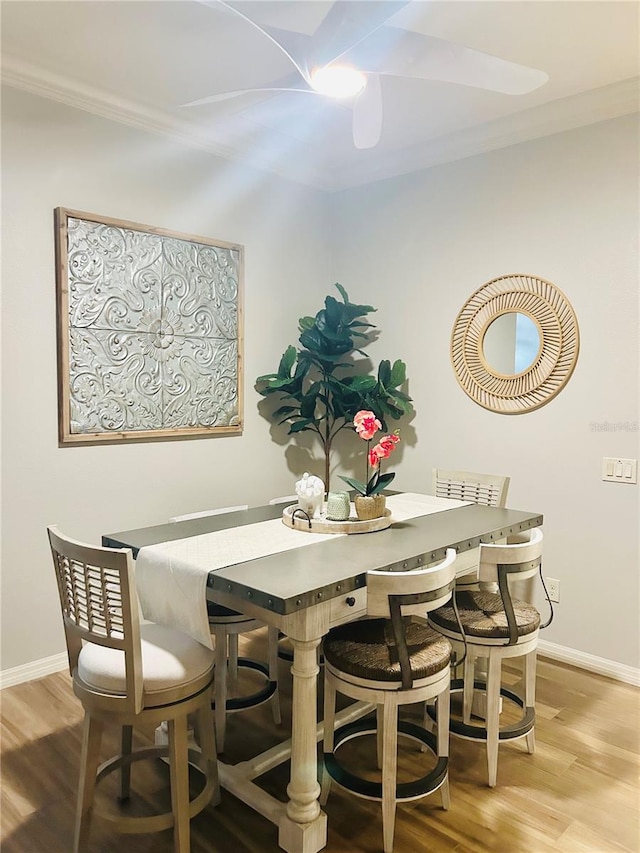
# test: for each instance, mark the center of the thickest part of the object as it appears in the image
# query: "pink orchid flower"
(373, 458)
(383, 449)
(366, 424)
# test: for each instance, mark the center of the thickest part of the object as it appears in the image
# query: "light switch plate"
(617, 470)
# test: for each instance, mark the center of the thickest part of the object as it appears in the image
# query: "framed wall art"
(149, 332)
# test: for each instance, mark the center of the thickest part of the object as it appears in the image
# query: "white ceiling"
(137, 62)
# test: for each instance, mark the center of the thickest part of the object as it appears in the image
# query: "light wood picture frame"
(550, 312)
(150, 332)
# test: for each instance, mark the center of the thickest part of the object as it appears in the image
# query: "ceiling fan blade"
(293, 45)
(367, 114)
(291, 83)
(346, 24)
(401, 53)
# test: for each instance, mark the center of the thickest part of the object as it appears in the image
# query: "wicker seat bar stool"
(226, 626)
(497, 626)
(478, 488)
(129, 674)
(389, 660)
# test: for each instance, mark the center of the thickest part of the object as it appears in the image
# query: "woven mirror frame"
(551, 313)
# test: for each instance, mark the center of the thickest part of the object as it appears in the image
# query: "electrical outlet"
(553, 588)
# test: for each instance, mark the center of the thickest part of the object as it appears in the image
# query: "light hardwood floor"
(579, 793)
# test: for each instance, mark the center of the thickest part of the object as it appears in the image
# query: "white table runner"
(171, 577)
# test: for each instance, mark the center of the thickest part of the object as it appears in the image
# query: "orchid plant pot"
(370, 506)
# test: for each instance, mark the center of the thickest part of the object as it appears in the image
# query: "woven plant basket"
(370, 506)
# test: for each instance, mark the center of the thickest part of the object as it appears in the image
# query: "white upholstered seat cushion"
(170, 658)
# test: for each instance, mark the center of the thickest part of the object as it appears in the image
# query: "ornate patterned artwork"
(149, 332)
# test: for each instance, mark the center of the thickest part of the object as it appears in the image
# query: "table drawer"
(346, 608)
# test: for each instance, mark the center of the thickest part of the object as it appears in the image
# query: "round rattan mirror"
(532, 377)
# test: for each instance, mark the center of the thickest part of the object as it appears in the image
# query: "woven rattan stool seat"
(367, 650)
(482, 614)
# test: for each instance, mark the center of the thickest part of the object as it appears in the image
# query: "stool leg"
(427, 722)
(125, 770)
(442, 716)
(220, 686)
(272, 640)
(327, 742)
(530, 694)
(493, 717)
(469, 677)
(179, 772)
(379, 735)
(90, 756)
(206, 739)
(389, 770)
(233, 658)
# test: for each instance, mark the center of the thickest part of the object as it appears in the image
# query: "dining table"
(304, 583)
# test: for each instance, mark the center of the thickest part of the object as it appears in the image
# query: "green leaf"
(359, 383)
(352, 311)
(355, 484)
(343, 293)
(383, 482)
(333, 333)
(286, 362)
(312, 339)
(398, 374)
(333, 359)
(308, 405)
(333, 312)
(395, 412)
(384, 372)
(275, 384)
(306, 323)
(284, 410)
(299, 426)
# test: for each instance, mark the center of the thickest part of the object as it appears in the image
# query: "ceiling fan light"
(338, 81)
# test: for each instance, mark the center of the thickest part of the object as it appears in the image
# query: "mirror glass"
(511, 343)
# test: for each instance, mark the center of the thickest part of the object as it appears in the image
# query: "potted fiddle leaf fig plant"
(321, 384)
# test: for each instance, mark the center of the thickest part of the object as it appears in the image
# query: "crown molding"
(55, 87)
(607, 102)
(602, 104)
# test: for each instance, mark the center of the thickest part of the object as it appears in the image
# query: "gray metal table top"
(289, 581)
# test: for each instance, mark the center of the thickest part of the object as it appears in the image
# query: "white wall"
(56, 156)
(564, 208)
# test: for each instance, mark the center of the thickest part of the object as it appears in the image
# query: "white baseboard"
(35, 669)
(592, 663)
